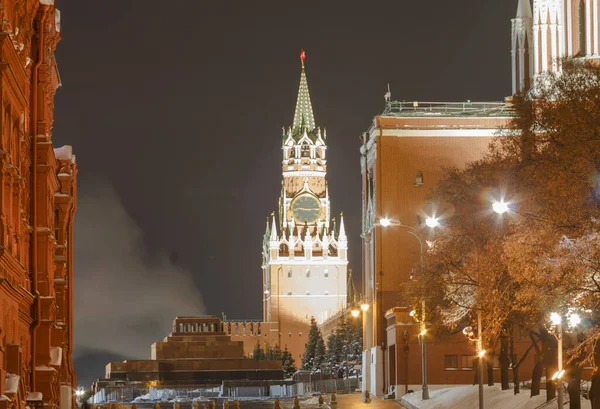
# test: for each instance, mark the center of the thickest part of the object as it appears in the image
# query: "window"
(326, 273)
(466, 362)
(308, 272)
(305, 150)
(496, 362)
(289, 272)
(451, 362)
(290, 335)
(289, 293)
(419, 179)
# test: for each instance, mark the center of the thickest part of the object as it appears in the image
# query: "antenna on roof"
(388, 94)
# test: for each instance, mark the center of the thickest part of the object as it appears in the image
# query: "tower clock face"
(306, 208)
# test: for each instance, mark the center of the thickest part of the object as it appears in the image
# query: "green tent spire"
(303, 117)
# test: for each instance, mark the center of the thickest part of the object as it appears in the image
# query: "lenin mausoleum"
(38, 203)
(197, 354)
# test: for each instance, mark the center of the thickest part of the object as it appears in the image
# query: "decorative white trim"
(301, 173)
(569, 19)
(314, 261)
(588, 27)
(311, 296)
(434, 133)
(596, 31)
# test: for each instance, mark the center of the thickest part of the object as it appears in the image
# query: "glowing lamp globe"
(432, 222)
(385, 222)
(355, 313)
(500, 207)
(574, 320)
(364, 307)
(555, 318)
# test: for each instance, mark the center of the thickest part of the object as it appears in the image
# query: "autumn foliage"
(541, 256)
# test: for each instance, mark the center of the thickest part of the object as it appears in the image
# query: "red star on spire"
(302, 56)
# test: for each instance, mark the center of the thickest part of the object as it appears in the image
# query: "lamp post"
(556, 320)
(431, 222)
(366, 374)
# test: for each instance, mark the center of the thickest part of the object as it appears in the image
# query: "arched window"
(305, 150)
(308, 272)
(326, 273)
(289, 272)
(419, 179)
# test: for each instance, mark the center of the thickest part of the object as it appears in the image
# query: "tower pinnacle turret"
(303, 116)
(522, 48)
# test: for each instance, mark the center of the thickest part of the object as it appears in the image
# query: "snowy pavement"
(467, 397)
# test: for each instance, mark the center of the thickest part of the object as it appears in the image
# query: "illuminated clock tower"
(305, 250)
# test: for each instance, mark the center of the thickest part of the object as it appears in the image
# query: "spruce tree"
(276, 353)
(308, 359)
(320, 352)
(269, 353)
(333, 356)
(258, 353)
(288, 363)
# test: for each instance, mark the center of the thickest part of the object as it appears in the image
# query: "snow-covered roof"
(11, 383)
(34, 396)
(56, 356)
(64, 153)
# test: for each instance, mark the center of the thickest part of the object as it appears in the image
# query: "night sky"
(175, 108)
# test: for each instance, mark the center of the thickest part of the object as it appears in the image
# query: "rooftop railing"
(467, 108)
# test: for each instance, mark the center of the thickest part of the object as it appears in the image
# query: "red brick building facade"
(404, 153)
(37, 197)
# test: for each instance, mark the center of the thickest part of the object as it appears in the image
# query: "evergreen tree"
(344, 347)
(320, 353)
(333, 356)
(310, 352)
(276, 353)
(288, 364)
(258, 353)
(269, 353)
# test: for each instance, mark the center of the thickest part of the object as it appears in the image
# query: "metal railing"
(467, 108)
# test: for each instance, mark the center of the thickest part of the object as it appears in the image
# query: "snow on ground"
(467, 397)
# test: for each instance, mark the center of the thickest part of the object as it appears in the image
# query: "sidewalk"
(354, 401)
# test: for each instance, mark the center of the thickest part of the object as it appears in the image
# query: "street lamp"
(355, 313)
(364, 307)
(500, 207)
(556, 320)
(431, 222)
(385, 222)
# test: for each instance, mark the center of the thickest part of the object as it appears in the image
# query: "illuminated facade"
(551, 30)
(38, 203)
(304, 249)
(403, 156)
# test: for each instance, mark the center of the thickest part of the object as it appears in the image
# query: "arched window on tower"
(307, 272)
(419, 179)
(305, 150)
